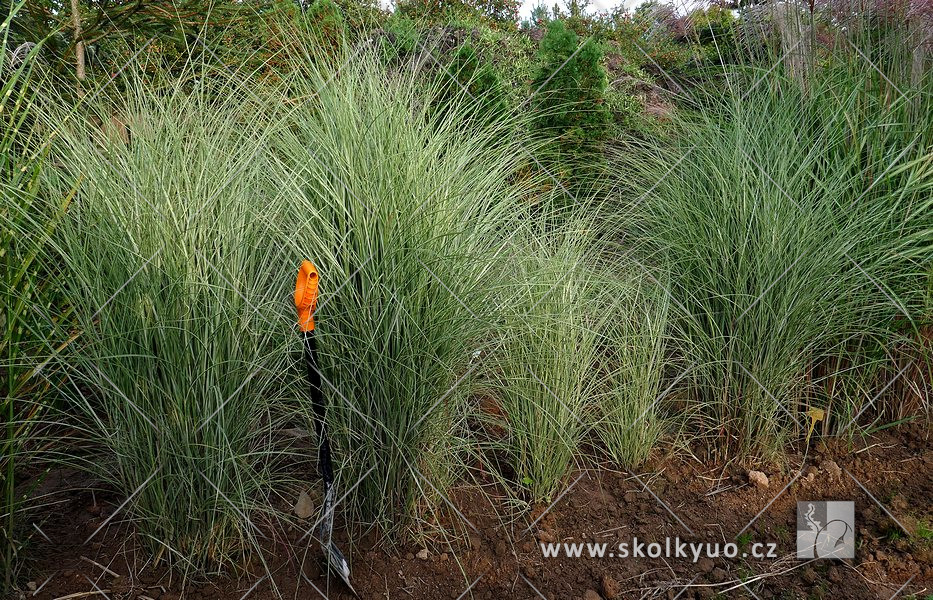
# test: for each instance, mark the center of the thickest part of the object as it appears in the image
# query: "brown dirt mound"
(497, 558)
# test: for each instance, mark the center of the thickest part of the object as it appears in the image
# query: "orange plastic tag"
(306, 295)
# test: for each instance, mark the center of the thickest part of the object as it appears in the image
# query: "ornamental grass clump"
(793, 226)
(29, 334)
(577, 356)
(405, 210)
(629, 417)
(180, 291)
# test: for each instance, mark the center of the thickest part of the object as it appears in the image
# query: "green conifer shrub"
(568, 101)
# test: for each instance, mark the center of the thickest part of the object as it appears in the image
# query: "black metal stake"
(332, 554)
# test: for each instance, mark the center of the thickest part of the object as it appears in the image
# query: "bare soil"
(675, 494)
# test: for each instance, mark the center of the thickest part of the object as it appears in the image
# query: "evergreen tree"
(469, 79)
(569, 104)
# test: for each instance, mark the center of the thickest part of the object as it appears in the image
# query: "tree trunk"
(79, 45)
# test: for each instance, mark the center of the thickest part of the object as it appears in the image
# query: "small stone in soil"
(422, 554)
(609, 587)
(304, 506)
(591, 595)
(705, 564)
(758, 479)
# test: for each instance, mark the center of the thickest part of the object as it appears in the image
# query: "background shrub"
(568, 101)
(469, 80)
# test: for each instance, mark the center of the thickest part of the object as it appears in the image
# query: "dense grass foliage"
(546, 365)
(405, 212)
(577, 351)
(628, 417)
(759, 247)
(794, 227)
(29, 292)
(177, 283)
